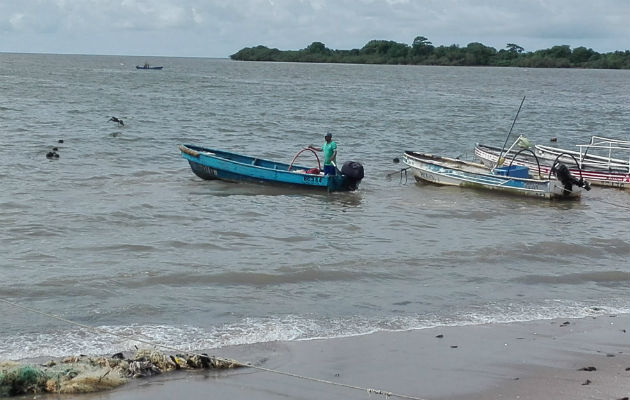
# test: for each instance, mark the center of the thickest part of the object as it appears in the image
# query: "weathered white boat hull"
(617, 178)
(453, 172)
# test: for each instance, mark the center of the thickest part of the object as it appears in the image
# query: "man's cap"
(328, 134)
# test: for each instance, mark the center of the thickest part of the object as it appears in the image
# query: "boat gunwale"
(547, 189)
(592, 160)
(543, 189)
(588, 164)
(209, 164)
(616, 178)
(476, 165)
(212, 153)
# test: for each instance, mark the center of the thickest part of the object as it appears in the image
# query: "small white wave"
(105, 340)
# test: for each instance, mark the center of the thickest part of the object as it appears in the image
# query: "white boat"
(600, 169)
(599, 153)
(511, 179)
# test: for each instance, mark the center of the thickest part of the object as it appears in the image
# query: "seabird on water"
(117, 120)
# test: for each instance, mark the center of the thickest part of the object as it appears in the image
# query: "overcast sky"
(219, 28)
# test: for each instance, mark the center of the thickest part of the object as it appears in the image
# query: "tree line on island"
(423, 52)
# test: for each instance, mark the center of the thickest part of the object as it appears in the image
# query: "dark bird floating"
(118, 121)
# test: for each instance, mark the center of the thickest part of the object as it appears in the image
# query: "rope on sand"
(234, 362)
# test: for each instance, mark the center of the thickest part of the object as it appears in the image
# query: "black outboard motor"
(564, 175)
(353, 173)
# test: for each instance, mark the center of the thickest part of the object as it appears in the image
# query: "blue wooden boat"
(218, 164)
(510, 179)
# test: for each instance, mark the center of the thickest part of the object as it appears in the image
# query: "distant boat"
(217, 164)
(147, 66)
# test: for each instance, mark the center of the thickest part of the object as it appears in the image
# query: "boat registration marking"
(312, 179)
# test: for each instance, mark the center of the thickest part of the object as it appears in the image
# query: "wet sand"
(557, 359)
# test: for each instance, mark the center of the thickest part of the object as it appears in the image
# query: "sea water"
(118, 234)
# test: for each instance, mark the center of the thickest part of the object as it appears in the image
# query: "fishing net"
(92, 374)
(18, 379)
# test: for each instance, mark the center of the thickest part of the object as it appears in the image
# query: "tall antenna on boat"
(509, 133)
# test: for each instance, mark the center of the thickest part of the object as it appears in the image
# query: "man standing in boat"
(330, 154)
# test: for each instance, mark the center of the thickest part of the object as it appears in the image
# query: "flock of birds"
(52, 154)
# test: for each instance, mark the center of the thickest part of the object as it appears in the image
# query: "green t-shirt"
(329, 149)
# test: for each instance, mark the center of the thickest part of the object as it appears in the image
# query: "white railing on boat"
(598, 142)
(604, 145)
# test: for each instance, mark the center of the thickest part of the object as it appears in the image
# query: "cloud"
(222, 27)
(100, 15)
(16, 20)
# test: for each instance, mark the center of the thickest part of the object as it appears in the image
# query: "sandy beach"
(585, 358)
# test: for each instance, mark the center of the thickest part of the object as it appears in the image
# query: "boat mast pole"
(509, 133)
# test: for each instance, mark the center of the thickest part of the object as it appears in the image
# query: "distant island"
(423, 52)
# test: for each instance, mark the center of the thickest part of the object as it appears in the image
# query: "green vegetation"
(422, 52)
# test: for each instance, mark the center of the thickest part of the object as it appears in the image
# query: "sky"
(219, 28)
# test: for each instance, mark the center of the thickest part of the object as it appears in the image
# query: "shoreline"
(587, 358)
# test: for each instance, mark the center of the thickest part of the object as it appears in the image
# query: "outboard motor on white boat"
(353, 173)
(564, 175)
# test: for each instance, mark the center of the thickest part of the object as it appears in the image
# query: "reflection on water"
(226, 189)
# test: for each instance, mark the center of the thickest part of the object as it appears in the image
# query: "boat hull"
(617, 178)
(598, 154)
(452, 172)
(215, 164)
